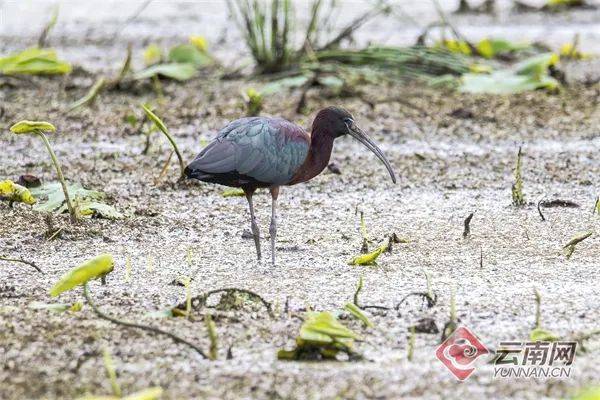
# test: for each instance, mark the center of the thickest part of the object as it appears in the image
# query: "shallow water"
(95, 33)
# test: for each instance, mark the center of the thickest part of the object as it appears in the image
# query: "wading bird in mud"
(263, 152)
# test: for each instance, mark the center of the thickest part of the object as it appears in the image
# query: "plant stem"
(107, 317)
(31, 263)
(61, 178)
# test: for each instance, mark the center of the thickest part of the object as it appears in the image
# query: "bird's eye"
(349, 122)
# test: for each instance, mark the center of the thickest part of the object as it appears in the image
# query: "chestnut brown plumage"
(264, 152)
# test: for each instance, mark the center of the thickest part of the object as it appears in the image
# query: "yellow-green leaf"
(233, 193)
(34, 61)
(369, 258)
(146, 394)
(56, 307)
(14, 192)
(152, 54)
(154, 118)
(543, 335)
(200, 43)
(323, 328)
(357, 312)
(177, 71)
(95, 268)
(592, 393)
(32, 127)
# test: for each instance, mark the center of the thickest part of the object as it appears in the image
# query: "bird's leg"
(273, 226)
(253, 224)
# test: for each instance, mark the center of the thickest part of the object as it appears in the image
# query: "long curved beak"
(359, 135)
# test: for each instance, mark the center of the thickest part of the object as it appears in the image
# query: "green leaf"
(490, 48)
(97, 209)
(285, 83)
(357, 312)
(97, 267)
(530, 74)
(177, 71)
(233, 193)
(591, 393)
(543, 335)
(321, 334)
(369, 258)
(34, 61)
(14, 192)
(55, 197)
(32, 127)
(188, 53)
(323, 328)
(56, 307)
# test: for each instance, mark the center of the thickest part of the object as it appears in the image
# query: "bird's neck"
(319, 153)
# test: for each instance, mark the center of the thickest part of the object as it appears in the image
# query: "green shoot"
(597, 206)
(430, 293)
(189, 257)
(38, 128)
(518, 198)
(128, 268)
(109, 365)
(452, 323)
(46, 31)
(538, 333)
(358, 314)
(188, 295)
(160, 125)
(90, 95)
(411, 343)
(254, 102)
(358, 290)
(569, 248)
(538, 308)
(364, 233)
(212, 335)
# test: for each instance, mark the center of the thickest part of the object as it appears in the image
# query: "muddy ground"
(454, 155)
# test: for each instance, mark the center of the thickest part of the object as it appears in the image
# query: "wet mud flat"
(454, 155)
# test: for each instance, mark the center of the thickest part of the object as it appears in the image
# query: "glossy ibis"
(263, 152)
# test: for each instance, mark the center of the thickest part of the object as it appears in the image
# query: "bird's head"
(340, 122)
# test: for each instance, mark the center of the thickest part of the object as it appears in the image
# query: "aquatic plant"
(38, 128)
(98, 268)
(163, 128)
(270, 30)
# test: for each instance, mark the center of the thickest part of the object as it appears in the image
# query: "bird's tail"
(195, 173)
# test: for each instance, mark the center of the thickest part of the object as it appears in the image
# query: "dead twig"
(22, 261)
(467, 230)
(540, 210)
(200, 300)
(128, 324)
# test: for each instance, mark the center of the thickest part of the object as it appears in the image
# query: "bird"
(269, 152)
